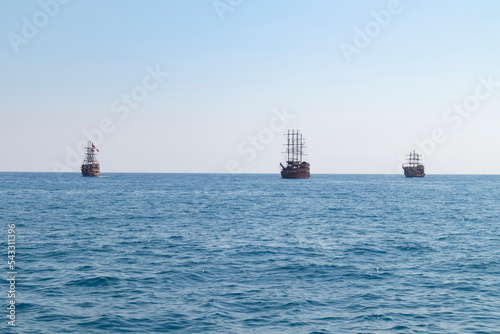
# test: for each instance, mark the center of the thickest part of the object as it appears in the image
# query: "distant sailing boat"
(295, 167)
(90, 166)
(414, 166)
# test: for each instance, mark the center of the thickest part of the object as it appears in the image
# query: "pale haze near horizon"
(233, 67)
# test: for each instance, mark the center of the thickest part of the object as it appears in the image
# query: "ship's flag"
(93, 147)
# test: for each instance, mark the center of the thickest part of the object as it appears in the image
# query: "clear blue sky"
(231, 65)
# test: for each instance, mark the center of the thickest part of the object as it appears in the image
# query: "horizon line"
(256, 173)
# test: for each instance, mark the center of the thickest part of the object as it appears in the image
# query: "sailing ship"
(295, 167)
(414, 166)
(90, 166)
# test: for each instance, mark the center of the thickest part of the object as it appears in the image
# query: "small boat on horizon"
(90, 166)
(414, 166)
(295, 167)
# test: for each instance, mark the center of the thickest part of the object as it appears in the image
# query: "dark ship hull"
(414, 171)
(92, 169)
(301, 171)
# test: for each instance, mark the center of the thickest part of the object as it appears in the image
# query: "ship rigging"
(414, 166)
(296, 167)
(90, 166)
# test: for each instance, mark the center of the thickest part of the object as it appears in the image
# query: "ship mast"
(297, 146)
(301, 146)
(413, 159)
(90, 155)
(294, 146)
(288, 147)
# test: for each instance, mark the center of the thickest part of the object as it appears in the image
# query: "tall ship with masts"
(90, 166)
(296, 167)
(414, 166)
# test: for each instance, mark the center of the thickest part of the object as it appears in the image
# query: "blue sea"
(213, 253)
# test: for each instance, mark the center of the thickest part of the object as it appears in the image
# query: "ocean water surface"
(203, 253)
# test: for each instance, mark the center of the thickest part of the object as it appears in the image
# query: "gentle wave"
(147, 253)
